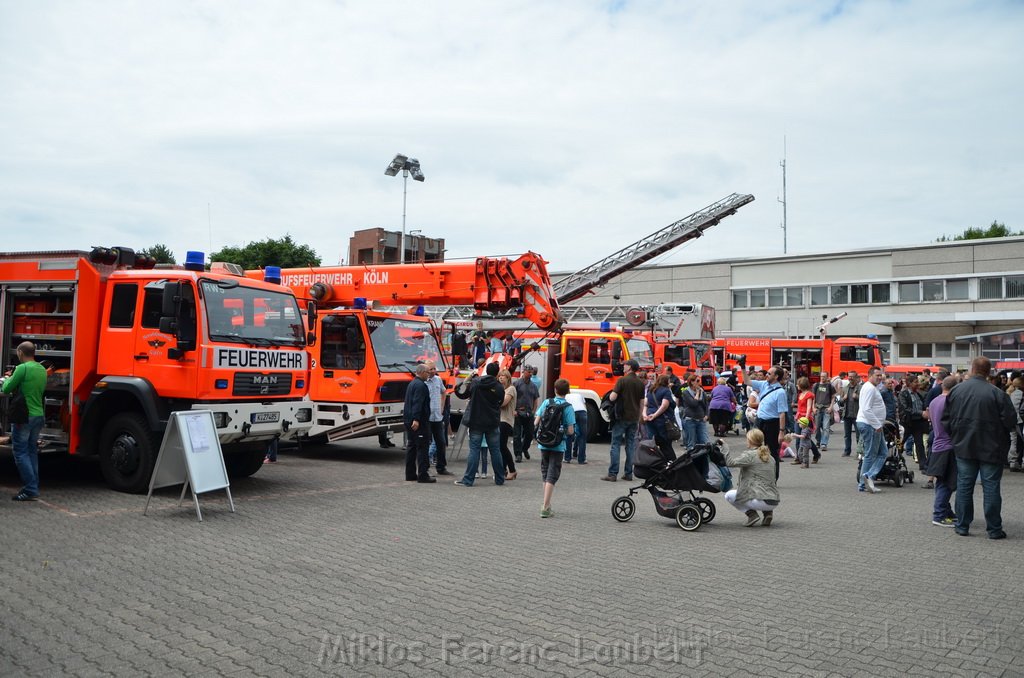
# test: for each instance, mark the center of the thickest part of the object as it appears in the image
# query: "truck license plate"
(265, 417)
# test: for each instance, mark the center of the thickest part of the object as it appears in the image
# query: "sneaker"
(526, 454)
(22, 496)
(582, 463)
(815, 461)
(610, 479)
(766, 521)
(796, 462)
(870, 482)
(945, 522)
(930, 485)
(824, 448)
(628, 476)
(445, 472)
(752, 518)
(546, 513)
(519, 459)
(464, 484)
(1015, 468)
(997, 535)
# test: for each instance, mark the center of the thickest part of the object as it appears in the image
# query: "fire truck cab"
(126, 344)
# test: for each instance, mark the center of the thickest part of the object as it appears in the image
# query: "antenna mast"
(783, 200)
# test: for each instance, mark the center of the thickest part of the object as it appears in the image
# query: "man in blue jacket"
(416, 415)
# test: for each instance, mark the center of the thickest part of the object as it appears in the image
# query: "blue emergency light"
(606, 326)
(272, 274)
(195, 261)
(359, 303)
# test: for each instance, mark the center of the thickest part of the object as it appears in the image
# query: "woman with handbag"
(722, 408)
(695, 412)
(659, 416)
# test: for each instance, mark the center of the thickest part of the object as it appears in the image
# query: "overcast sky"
(569, 128)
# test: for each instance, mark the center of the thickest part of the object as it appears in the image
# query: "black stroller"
(894, 470)
(669, 481)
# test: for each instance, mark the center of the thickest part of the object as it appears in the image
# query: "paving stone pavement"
(333, 565)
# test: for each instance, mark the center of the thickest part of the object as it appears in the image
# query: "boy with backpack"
(555, 420)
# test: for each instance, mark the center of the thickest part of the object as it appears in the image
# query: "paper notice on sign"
(197, 434)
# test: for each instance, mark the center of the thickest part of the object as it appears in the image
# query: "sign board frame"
(190, 455)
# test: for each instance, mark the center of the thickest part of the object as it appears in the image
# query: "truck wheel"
(128, 450)
(244, 464)
(594, 422)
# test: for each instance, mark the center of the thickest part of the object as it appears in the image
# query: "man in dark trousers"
(979, 417)
(417, 427)
(484, 414)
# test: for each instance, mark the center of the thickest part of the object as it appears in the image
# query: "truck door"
(340, 374)
(172, 378)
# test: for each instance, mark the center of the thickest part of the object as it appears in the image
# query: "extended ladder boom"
(576, 285)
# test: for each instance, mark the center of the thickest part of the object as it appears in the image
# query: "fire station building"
(935, 304)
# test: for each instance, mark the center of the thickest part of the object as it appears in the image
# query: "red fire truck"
(126, 344)
(803, 357)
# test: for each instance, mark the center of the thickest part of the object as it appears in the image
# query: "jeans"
(622, 431)
(874, 452)
(968, 472)
(272, 448)
(695, 432)
(822, 422)
(941, 508)
(849, 428)
(25, 439)
(576, 444)
(476, 437)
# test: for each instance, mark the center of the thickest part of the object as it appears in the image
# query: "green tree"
(285, 253)
(995, 230)
(162, 254)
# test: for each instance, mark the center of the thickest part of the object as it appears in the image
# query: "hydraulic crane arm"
(496, 284)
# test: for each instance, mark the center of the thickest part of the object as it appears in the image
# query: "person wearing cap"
(627, 396)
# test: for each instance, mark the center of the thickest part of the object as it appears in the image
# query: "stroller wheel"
(623, 509)
(707, 509)
(910, 477)
(897, 478)
(688, 517)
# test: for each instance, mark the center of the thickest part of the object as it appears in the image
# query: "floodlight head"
(397, 165)
(417, 175)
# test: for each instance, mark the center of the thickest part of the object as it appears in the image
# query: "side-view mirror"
(311, 324)
(171, 310)
(617, 368)
(170, 300)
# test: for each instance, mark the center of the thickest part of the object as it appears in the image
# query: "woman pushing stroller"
(756, 489)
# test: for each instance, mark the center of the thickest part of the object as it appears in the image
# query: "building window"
(991, 288)
(739, 299)
(776, 297)
(1014, 286)
(924, 350)
(943, 350)
(858, 294)
(756, 298)
(794, 296)
(819, 296)
(956, 290)
(880, 293)
(906, 351)
(910, 291)
(932, 290)
(962, 350)
(840, 295)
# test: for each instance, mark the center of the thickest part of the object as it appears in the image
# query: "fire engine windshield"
(247, 315)
(399, 344)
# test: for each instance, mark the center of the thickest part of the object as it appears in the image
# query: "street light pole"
(406, 166)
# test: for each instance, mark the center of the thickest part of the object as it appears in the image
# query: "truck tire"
(594, 422)
(244, 464)
(128, 450)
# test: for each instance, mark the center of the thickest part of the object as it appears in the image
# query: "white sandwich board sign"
(190, 454)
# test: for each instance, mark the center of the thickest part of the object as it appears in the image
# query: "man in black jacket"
(979, 417)
(484, 414)
(416, 415)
